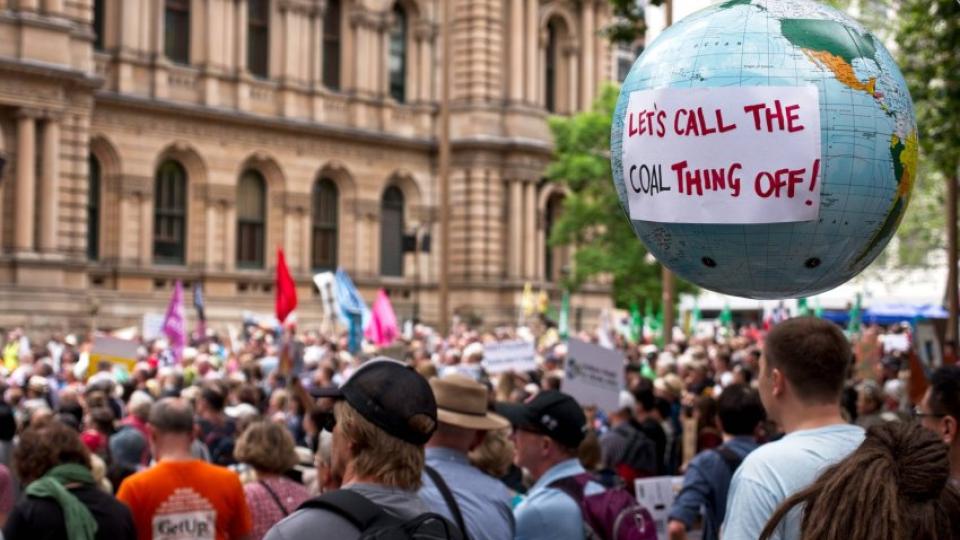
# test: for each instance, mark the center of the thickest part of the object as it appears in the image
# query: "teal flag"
(563, 324)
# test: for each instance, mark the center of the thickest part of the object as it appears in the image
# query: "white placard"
(657, 494)
(723, 155)
(593, 375)
(895, 342)
(152, 326)
(517, 355)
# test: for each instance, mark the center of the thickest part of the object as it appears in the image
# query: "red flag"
(286, 289)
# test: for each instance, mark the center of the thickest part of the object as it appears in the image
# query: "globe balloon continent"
(868, 144)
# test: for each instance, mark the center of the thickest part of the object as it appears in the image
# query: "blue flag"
(353, 312)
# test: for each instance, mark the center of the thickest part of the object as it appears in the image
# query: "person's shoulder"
(304, 524)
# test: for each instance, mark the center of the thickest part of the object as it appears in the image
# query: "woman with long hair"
(895, 486)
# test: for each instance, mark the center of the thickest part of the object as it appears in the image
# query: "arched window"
(98, 15)
(251, 219)
(258, 37)
(331, 45)
(170, 213)
(391, 232)
(176, 31)
(325, 203)
(550, 79)
(554, 258)
(398, 54)
(93, 209)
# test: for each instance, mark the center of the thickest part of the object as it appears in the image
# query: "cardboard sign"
(723, 155)
(516, 355)
(593, 375)
(657, 494)
(152, 326)
(114, 351)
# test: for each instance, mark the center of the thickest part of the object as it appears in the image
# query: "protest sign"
(723, 155)
(656, 494)
(927, 342)
(593, 375)
(112, 351)
(895, 342)
(152, 326)
(517, 355)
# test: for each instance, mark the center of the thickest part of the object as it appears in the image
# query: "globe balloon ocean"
(866, 150)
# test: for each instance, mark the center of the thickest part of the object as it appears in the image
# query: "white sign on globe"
(723, 155)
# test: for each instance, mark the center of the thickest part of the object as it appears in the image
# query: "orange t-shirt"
(177, 500)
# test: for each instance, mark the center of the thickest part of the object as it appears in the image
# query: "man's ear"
(950, 430)
(778, 382)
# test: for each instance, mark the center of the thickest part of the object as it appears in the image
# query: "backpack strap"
(350, 505)
(447, 497)
(729, 457)
(573, 486)
(276, 499)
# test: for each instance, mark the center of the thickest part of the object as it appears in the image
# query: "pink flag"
(174, 324)
(382, 329)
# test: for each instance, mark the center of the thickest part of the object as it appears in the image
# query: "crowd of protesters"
(286, 435)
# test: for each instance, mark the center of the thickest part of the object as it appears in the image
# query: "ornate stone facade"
(70, 98)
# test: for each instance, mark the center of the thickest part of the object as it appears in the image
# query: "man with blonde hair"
(383, 416)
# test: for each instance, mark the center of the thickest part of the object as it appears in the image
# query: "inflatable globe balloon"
(765, 148)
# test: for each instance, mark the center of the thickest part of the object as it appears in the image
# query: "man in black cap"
(383, 415)
(549, 429)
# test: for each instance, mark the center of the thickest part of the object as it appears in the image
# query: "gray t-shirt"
(314, 523)
(779, 469)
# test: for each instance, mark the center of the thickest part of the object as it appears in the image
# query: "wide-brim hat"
(462, 402)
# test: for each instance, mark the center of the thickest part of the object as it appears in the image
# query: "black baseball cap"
(389, 394)
(551, 413)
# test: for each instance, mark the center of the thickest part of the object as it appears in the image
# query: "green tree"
(629, 23)
(929, 40)
(592, 219)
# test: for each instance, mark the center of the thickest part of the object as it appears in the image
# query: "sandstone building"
(147, 141)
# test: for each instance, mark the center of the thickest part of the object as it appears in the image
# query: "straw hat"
(462, 402)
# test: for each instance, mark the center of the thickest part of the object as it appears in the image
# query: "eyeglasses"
(917, 413)
(327, 421)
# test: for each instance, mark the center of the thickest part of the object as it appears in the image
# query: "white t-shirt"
(779, 469)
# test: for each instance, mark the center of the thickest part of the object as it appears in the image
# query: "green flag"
(563, 324)
(636, 323)
(803, 310)
(817, 309)
(649, 321)
(726, 316)
(854, 325)
(695, 316)
(661, 340)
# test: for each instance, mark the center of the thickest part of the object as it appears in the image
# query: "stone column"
(306, 228)
(146, 231)
(589, 37)
(211, 230)
(241, 33)
(532, 67)
(50, 186)
(229, 236)
(317, 44)
(52, 7)
(530, 230)
(28, 5)
(515, 229)
(26, 180)
(573, 102)
(516, 72)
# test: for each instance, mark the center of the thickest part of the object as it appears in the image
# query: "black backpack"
(640, 452)
(375, 523)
